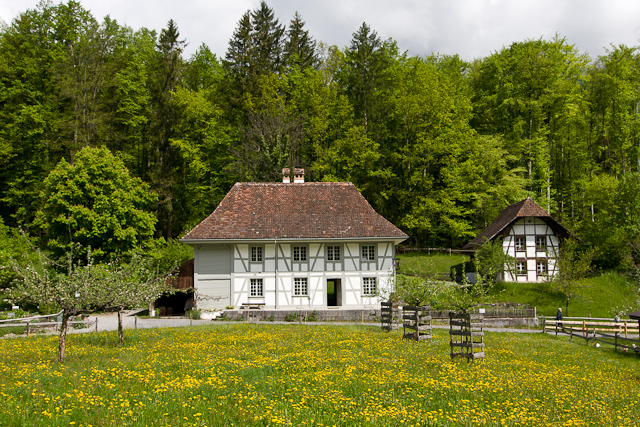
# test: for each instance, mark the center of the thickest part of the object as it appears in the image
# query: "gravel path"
(109, 322)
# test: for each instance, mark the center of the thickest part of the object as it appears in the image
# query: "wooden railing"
(624, 334)
(52, 321)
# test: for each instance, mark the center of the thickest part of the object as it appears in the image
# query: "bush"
(290, 317)
(196, 314)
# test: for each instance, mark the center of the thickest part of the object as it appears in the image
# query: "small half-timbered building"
(531, 236)
(293, 245)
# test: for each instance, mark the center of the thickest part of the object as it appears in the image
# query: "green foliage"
(195, 314)
(574, 263)
(291, 317)
(96, 203)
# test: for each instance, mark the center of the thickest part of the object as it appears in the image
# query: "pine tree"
(300, 48)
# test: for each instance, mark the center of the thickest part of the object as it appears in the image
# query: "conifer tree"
(300, 48)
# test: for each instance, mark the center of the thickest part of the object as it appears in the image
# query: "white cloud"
(470, 28)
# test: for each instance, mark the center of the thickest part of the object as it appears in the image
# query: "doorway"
(334, 292)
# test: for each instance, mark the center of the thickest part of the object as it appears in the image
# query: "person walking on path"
(559, 316)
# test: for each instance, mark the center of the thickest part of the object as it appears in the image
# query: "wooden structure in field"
(531, 236)
(389, 316)
(417, 320)
(466, 336)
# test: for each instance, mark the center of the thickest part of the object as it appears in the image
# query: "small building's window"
(521, 244)
(300, 287)
(368, 253)
(369, 287)
(542, 268)
(299, 253)
(541, 243)
(256, 288)
(256, 253)
(521, 268)
(333, 253)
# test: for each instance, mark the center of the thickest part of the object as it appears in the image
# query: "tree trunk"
(120, 329)
(62, 339)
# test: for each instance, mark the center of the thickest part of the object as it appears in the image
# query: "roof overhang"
(396, 240)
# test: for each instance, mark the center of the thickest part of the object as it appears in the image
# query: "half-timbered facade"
(531, 236)
(300, 245)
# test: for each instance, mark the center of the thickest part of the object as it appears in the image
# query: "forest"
(437, 145)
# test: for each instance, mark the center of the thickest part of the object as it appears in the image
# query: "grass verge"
(270, 375)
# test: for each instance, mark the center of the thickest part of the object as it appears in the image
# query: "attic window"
(368, 253)
(256, 253)
(333, 253)
(299, 253)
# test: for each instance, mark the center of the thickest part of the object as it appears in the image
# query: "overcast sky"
(470, 28)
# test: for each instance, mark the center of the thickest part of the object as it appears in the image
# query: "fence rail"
(51, 321)
(617, 334)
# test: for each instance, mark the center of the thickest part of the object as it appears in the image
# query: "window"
(368, 253)
(542, 268)
(299, 253)
(521, 268)
(256, 253)
(369, 287)
(300, 287)
(541, 243)
(256, 288)
(520, 243)
(333, 253)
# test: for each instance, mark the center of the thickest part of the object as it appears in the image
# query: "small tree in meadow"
(572, 266)
(84, 287)
(134, 284)
(77, 288)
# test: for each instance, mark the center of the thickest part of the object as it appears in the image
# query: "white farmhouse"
(531, 236)
(293, 245)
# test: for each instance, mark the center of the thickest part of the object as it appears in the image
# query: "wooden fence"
(418, 321)
(49, 321)
(624, 334)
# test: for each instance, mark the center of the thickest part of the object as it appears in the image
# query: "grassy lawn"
(269, 375)
(420, 263)
(600, 296)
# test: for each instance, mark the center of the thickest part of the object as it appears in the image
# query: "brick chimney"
(298, 176)
(286, 176)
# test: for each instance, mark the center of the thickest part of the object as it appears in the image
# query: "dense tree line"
(438, 145)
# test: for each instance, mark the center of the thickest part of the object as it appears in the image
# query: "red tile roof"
(524, 208)
(314, 210)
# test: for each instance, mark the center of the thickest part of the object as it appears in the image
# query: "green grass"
(270, 375)
(600, 296)
(437, 263)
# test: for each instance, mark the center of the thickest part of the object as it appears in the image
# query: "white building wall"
(278, 284)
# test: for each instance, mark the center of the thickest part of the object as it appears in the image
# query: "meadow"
(587, 301)
(273, 375)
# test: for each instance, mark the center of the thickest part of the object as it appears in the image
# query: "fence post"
(571, 332)
(615, 346)
(96, 323)
(135, 322)
(27, 328)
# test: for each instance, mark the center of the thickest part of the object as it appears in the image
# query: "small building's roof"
(314, 210)
(510, 214)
